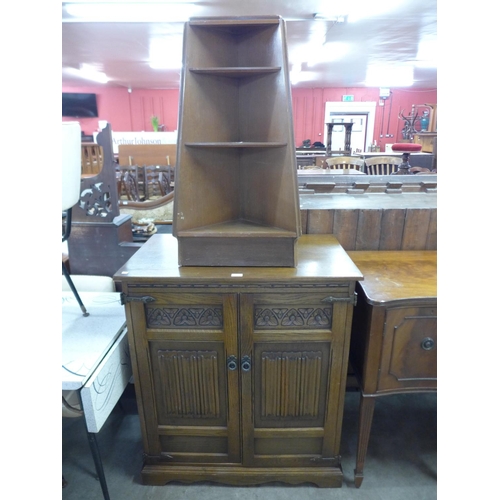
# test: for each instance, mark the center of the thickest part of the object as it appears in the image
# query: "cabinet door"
(188, 392)
(293, 369)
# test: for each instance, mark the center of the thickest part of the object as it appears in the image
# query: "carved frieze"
(184, 317)
(291, 317)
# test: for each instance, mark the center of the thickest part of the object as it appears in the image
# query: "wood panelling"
(416, 229)
(369, 229)
(378, 229)
(391, 229)
(345, 226)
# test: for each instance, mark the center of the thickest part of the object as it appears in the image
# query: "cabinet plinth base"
(324, 477)
(253, 252)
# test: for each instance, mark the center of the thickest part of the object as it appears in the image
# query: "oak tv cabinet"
(240, 372)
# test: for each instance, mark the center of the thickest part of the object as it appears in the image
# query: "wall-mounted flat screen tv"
(79, 105)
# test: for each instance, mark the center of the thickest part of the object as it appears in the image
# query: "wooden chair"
(92, 159)
(157, 180)
(382, 165)
(128, 182)
(345, 162)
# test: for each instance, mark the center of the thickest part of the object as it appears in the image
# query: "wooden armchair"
(345, 162)
(382, 165)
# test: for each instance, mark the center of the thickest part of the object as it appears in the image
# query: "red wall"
(309, 110)
(132, 111)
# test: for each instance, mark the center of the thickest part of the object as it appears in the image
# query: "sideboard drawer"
(409, 349)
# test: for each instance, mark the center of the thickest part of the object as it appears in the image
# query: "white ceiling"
(121, 49)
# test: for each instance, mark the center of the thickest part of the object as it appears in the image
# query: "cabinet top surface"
(397, 275)
(319, 257)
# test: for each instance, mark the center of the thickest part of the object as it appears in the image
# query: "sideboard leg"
(366, 407)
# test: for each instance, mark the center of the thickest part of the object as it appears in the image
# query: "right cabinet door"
(293, 368)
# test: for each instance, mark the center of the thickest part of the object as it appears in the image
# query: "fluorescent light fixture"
(393, 75)
(165, 53)
(297, 75)
(88, 72)
(329, 52)
(127, 11)
(427, 54)
(354, 10)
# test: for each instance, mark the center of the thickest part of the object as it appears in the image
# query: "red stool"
(406, 148)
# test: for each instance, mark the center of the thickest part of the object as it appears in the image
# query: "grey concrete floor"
(401, 463)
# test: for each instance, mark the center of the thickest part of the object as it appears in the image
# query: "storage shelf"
(240, 144)
(237, 229)
(237, 72)
(236, 154)
(234, 24)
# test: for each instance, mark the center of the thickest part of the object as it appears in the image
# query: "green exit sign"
(347, 98)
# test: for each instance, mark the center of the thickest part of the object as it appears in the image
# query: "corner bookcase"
(236, 195)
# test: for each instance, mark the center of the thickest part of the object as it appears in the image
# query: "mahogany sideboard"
(394, 334)
(240, 372)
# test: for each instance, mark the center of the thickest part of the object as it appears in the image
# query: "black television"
(79, 105)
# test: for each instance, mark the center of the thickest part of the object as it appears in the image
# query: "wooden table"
(394, 334)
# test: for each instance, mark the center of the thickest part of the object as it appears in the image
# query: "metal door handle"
(427, 344)
(246, 363)
(232, 363)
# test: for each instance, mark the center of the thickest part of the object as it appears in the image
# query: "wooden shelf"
(237, 229)
(237, 72)
(235, 144)
(234, 24)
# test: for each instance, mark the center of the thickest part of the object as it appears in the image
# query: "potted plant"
(155, 123)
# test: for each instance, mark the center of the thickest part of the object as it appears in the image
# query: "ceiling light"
(337, 18)
(127, 11)
(427, 54)
(165, 53)
(354, 10)
(88, 72)
(329, 52)
(390, 76)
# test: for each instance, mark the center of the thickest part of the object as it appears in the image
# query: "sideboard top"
(320, 258)
(392, 276)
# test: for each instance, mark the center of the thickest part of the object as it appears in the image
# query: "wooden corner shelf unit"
(236, 194)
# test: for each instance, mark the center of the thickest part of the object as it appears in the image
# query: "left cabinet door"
(187, 387)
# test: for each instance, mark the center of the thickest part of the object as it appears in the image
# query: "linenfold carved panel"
(190, 383)
(300, 317)
(290, 384)
(184, 317)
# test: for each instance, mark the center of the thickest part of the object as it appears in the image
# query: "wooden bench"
(147, 154)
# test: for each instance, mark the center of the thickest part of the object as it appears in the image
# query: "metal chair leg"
(98, 463)
(67, 232)
(74, 290)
